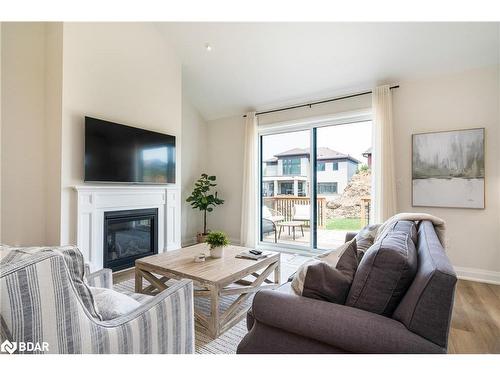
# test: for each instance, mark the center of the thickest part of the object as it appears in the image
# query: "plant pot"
(200, 237)
(217, 252)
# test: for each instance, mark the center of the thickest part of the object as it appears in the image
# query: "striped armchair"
(41, 302)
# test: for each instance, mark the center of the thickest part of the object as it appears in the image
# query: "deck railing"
(284, 206)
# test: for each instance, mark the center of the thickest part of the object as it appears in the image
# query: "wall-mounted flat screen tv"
(121, 153)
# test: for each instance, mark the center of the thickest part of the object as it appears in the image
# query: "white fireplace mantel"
(93, 201)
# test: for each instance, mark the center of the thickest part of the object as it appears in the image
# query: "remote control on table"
(255, 252)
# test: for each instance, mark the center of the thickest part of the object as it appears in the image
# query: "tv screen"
(120, 153)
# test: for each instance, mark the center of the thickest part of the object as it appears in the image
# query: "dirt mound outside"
(348, 204)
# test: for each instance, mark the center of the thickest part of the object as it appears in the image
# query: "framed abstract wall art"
(448, 169)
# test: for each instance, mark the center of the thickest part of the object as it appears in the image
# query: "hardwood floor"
(475, 326)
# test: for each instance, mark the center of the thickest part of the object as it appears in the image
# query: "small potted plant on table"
(217, 242)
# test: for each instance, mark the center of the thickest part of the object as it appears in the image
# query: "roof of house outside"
(323, 153)
(367, 152)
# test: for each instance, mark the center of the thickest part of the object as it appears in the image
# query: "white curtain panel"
(249, 225)
(383, 177)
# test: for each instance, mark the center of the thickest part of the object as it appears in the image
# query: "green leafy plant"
(363, 168)
(202, 198)
(217, 239)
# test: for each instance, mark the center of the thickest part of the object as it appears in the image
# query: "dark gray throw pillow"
(384, 274)
(328, 279)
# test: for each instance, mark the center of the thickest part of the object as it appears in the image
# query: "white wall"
(53, 127)
(0, 132)
(465, 100)
(122, 72)
(194, 155)
(23, 123)
(225, 145)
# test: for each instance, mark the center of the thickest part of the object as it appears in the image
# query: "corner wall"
(194, 162)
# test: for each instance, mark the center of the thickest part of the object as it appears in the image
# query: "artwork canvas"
(448, 169)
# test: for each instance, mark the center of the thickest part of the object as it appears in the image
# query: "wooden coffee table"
(213, 278)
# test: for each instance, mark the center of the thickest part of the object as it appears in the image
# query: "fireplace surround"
(93, 201)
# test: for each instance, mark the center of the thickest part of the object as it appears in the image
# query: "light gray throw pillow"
(328, 277)
(112, 304)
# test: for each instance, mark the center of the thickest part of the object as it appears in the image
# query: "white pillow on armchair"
(112, 304)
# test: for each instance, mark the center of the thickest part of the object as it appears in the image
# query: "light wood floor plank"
(475, 326)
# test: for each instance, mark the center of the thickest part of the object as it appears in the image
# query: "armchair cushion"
(112, 304)
(302, 212)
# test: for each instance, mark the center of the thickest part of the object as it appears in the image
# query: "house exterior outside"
(368, 154)
(287, 173)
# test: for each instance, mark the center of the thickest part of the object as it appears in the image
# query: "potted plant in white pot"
(203, 199)
(217, 242)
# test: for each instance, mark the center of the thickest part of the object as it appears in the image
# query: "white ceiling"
(262, 65)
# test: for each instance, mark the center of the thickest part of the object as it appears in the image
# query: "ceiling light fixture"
(208, 47)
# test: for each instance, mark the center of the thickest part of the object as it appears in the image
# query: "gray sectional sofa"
(282, 322)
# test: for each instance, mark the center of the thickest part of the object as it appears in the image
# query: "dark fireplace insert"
(129, 235)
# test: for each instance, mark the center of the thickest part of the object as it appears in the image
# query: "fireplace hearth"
(129, 235)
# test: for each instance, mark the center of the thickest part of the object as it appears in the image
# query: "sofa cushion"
(328, 277)
(112, 304)
(73, 259)
(384, 274)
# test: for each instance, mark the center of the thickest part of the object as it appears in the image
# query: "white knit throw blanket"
(439, 224)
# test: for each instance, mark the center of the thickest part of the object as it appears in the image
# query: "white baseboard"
(474, 274)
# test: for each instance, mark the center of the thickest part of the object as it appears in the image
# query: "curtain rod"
(319, 102)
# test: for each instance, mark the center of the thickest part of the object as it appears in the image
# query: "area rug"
(224, 344)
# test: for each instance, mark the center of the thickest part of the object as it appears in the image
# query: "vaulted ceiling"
(260, 65)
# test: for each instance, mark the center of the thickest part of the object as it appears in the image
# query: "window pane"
(343, 188)
(285, 186)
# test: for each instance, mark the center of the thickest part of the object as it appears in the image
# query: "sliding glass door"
(314, 185)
